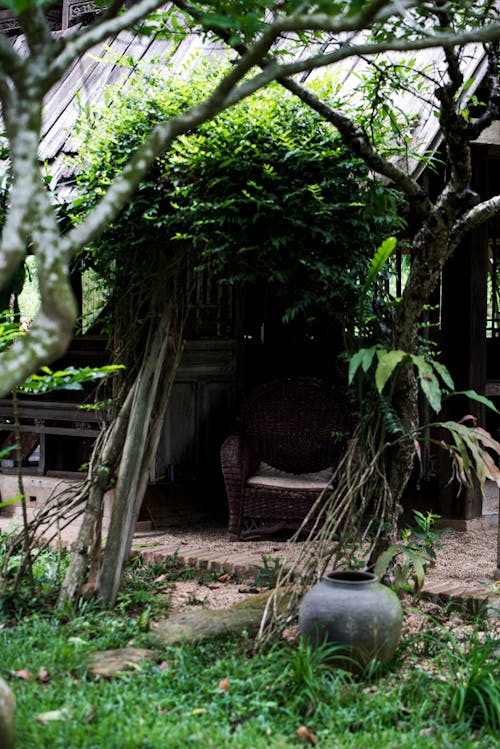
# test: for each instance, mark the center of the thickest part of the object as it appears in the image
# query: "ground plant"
(441, 689)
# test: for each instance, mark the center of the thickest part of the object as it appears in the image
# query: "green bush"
(266, 190)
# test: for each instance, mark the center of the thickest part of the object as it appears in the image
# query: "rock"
(199, 625)
(109, 663)
(7, 705)
(195, 626)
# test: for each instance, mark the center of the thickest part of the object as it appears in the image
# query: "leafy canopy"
(266, 190)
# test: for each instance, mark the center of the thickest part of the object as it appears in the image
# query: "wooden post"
(463, 339)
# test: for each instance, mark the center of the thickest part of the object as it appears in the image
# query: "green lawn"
(438, 693)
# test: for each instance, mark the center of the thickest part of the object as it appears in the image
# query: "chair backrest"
(297, 424)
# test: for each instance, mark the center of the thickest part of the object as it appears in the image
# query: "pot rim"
(351, 577)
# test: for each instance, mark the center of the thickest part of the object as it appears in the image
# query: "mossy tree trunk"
(148, 340)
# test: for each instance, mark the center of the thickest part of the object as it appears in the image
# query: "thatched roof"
(84, 85)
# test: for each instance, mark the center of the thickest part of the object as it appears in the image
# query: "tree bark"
(106, 454)
(153, 386)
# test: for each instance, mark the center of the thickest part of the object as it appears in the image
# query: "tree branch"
(327, 23)
(53, 326)
(474, 218)
(25, 174)
(493, 99)
(361, 146)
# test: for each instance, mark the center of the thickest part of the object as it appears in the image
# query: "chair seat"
(273, 478)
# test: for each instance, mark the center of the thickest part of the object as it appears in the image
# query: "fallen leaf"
(223, 578)
(290, 634)
(23, 674)
(304, 733)
(224, 684)
(43, 676)
(426, 731)
(160, 579)
(53, 715)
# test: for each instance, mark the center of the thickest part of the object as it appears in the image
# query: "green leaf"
(380, 258)
(477, 397)
(386, 365)
(486, 439)
(66, 379)
(362, 358)
(384, 560)
(444, 374)
(428, 381)
(7, 450)
(457, 433)
(13, 501)
(418, 566)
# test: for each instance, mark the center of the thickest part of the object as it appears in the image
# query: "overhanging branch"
(473, 218)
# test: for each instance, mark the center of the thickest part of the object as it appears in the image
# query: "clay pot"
(354, 610)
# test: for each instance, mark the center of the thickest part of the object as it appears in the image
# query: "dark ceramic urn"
(352, 609)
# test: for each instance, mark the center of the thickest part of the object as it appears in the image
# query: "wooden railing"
(61, 16)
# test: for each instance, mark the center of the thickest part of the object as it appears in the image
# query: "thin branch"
(493, 99)
(428, 38)
(390, 71)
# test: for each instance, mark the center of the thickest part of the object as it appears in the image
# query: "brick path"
(246, 565)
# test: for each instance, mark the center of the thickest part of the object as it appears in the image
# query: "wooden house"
(233, 343)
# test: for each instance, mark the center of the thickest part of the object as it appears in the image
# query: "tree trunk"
(153, 387)
(106, 454)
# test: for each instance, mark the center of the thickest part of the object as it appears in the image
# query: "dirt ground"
(466, 557)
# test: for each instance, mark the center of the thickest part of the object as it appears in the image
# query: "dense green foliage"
(441, 691)
(265, 191)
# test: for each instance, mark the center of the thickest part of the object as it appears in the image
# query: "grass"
(176, 702)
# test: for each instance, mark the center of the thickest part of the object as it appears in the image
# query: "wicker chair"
(290, 435)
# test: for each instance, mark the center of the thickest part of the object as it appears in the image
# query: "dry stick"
(47, 516)
(59, 511)
(26, 562)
